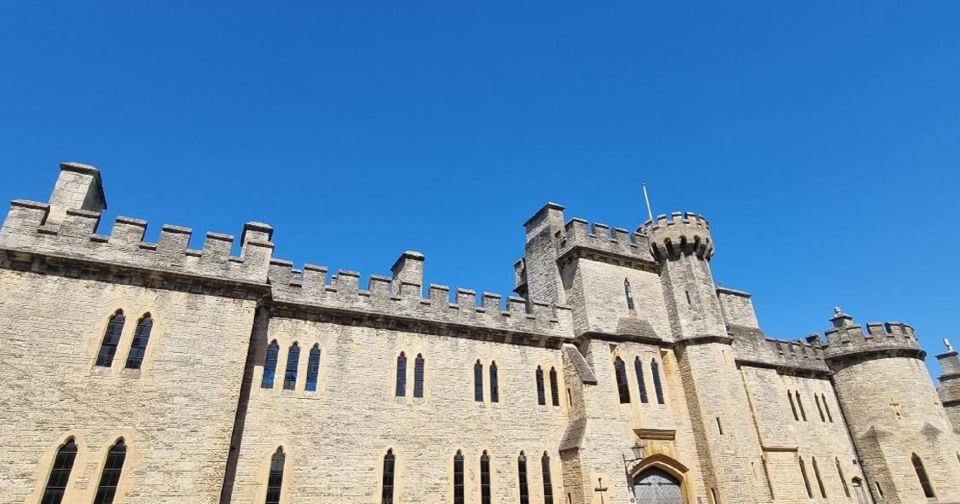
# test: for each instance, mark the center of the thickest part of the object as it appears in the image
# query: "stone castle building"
(152, 373)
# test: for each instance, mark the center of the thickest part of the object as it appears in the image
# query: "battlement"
(880, 337)
(753, 347)
(580, 235)
(681, 234)
(311, 287)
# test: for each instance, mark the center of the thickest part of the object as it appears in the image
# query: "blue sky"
(822, 139)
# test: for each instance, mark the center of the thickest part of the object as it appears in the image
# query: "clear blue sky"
(822, 139)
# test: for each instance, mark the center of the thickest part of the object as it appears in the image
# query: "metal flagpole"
(647, 199)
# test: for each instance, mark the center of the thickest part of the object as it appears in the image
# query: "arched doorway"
(656, 486)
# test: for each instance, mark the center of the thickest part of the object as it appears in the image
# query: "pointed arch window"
(806, 480)
(547, 480)
(110, 477)
(622, 388)
(843, 479)
(478, 381)
(826, 406)
(657, 386)
(641, 384)
(922, 476)
(554, 387)
(458, 488)
(140, 339)
(313, 368)
(793, 407)
(418, 376)
(275, 480)
(522, 476)
(816, 398)
(541, 392)
(628, 293)
(816, 472)
(803, 412)
(60, 474)
(389, 464)
(494, 383)
(401, 375)
(270, 365)
(484, 478)
(293, 361)
(111, 338)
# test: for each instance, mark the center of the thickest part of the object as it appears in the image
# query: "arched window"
(793, 407)
(478, 381)
(541, 393)
(458, 491)
(275, 480)
(826, 406)
(628, 293)
(922, 476)
(293, 360)
(388, 467)
(641, 384)
(418, 376)
(816, 398)
(484, 478)
(313, 368)
(803, 412)
(554, 387)
(622, 387)
(547, 480)
(494, 383)
(60, 474)
(111, 337)
(270, 365)
(806, 480)
(843, 479)
(816, 472)
(522, 476)
(139, 346)
(401, 375)
(110, 476)
(657, 386)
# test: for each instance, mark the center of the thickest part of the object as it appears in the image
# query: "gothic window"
(843, 480)
(60, 474)
(270, 365)
(803, 413)
(484, 478)
(494, 383)
(418, 376)
(313, 368)
(522, 475)
(140, 339)
(110, 476)
(622, 387)
(826, 407)
(819, 408)
(793, 407)
(806, 480)
(816, 472)
(547, 480)
(922, 476)
(275, 480)
(657, 386)
(641, 384)
(458, 491)
(554, 387)
(111, 337)
(478, 381)
(293, 360)
(388, 467)
(541, 393)
(628, 293)
(401, 375)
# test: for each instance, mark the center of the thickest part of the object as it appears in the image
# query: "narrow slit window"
(494, 383)
(803, 412)
(547, 480)
(484, 478)
(641, 384)
(719, 426)
(478, 381)
(826, 406)
(806, 480)
(275, 479)
(293, 360)
(60, 474)
(458, 487)
(816, 472)
(401, 375)
(541, 393)
(111, 338)
(628, 293)
(657, 386)
(140, 339)
(689, 301)
(843, 479)
(922, 476)
(622, 387)
(110, 477)
(270, 365)
(389, 462)
(793, 407)
(554, 387)
(313, 368)
(819, 408)
(418, 376)
(522, 476)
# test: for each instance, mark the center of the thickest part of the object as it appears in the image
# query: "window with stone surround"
(418, 376)
(793, 407)
(458, 487)
(313, 368)
(494, 383)
(111, 338)
(541, 392)
(522, 478)
(110, 477)
(389, 462)
(140, 339)
(922, 476)
(621, 373)
(803, 413)
(819, 408)
(816, 472)
(826, 407)
(484, 478)
(628, 293)
(401, 375)
(554, 387)
(843, 479)
(275, 479)
(657, 386)
(60, 474)
(641, 383)
(806, 480)
(270, 365)
(478, 381)
(293, 361)
(547, 480)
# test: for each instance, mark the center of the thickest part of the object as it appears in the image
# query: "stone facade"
(618, 363)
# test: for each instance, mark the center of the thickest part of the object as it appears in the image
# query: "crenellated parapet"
(752, 347)
(581, 238)
(311, 289)
(681, 234)
(849, 341)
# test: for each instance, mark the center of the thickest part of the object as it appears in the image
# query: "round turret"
(682, 234)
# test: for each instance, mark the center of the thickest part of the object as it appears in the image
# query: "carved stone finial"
(837, 310)
(947, 344)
